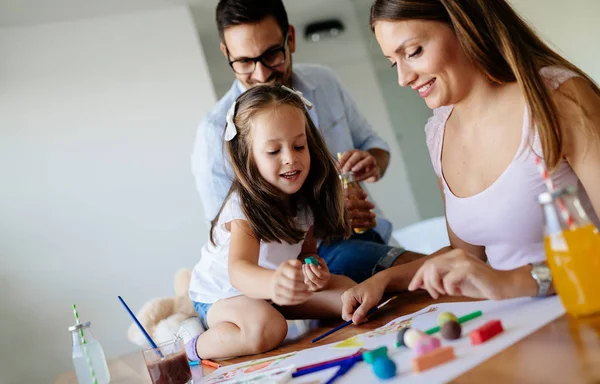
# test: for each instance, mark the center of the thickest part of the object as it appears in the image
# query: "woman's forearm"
(397, 278)
(250, 279)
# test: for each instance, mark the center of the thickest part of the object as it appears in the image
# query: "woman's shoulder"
(434, 133)
(554, 77)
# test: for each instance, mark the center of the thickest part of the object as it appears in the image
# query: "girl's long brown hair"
(268, 214)
(501, 44)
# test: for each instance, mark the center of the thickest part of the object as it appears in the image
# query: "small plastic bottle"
(91, 350)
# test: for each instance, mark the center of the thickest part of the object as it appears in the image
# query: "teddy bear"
(161, 317)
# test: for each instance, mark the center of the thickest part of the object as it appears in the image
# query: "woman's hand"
(458, 273)
(287, 284)
(358, 300)
(316, 277)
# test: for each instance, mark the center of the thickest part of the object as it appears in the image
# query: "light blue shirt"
(334, 113)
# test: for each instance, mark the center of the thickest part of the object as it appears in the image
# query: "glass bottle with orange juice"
(572, 245)
(349, 182)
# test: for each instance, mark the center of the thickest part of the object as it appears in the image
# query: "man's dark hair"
(236, 12)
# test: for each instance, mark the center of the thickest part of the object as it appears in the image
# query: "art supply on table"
(209, 363)
(168, 363)
(426, 344)
(88, 356)
(371, 311)
(432, 359)
(486, 332)
(137, 322)
(461, 320)
(355, 358)
(445, 317)
(411, 336)
(370, 356)
(572, 246)
(400, 337)
(325, 364)
(384, 368)
(451, 330)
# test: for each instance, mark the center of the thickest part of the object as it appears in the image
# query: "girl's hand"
(358, 300)
(458, 273)
(316, 277)
(287, 284)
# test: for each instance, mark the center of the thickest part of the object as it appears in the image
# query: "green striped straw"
(84, 344)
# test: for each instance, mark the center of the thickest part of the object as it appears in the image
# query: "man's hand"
(362, 163)
(287, 284)
(359, 208)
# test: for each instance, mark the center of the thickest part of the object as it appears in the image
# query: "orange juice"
(573, 256)
(348, 182)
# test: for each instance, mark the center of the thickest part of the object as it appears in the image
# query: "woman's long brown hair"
(501, 44)
(269, 215)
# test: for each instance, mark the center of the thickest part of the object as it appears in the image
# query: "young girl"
(501, 99)
(286, 193)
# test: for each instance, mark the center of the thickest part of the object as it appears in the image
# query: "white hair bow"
(308, 104)
(230, 129)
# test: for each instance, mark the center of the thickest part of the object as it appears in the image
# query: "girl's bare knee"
(265, 333)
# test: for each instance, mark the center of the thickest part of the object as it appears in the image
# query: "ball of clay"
(384, 368)
(411, 336)
(426, 344)
(446, 316)
(451, 330)
(400, 337)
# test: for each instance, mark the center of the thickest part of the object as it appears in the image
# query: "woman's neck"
(479, 100)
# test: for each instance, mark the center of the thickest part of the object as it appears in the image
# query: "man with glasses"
(258, 43)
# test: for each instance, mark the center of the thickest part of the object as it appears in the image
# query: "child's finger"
(319, 272)
(310, 275)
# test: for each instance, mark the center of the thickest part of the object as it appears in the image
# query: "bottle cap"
(77, 327)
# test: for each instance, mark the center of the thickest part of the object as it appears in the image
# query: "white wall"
(348, 56)
(97, 120)
(571, 27)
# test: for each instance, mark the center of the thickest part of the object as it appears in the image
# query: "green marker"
(461, 320)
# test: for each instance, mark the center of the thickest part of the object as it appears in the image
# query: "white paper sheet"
(519, 317)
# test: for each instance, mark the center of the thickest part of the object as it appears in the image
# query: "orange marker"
(209, 363)
(432, 359)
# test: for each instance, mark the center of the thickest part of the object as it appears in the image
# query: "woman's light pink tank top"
(506, 217)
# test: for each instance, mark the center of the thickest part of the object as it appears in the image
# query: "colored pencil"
(328, 364)
(462, 319)
(350, 321)
(209, 363)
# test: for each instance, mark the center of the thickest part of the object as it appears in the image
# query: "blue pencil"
(150, 341)
(350, 321)
(337, 362)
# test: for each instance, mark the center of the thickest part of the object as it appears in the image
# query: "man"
(258, 43)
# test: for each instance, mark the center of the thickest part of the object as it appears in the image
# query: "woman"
(501, 97)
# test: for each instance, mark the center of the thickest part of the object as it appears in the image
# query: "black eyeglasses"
(270, 59)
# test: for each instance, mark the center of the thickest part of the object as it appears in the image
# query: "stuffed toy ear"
(149, 316)
(182, 282)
